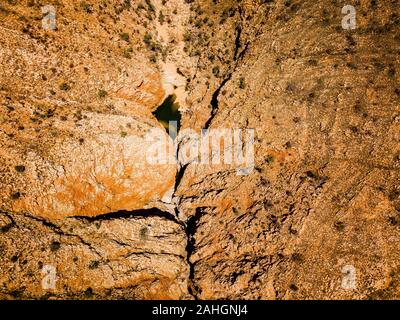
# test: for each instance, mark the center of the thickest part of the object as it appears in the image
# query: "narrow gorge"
(102, 197)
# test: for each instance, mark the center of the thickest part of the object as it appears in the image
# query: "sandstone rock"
(124, 256)
(324, 193)
(320, 205)
(84, 150)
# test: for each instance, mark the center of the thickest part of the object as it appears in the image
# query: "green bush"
(102, 93)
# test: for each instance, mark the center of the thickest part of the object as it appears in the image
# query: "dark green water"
(169, 111)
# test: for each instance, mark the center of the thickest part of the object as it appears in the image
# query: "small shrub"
(65, 86)
(20, 168)
(143, 233)
(297, 257)
(339, 225)
(88, 293)
(55, 245)
(215, 71)
(153, 58)
(126, 5)
(15, 196)
(150, 6)
(147, 38)
(94, 264)
(392, 221)
(125, 37)
(293, 287)
(242, 83)
(161, 18)
(269, 159)
(86, 7)
(128, 53)
(102, 93)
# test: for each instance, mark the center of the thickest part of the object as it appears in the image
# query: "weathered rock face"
(76, 121)
(320, 206)
(117, 257)
(323, 199)
(76, 107)
(97, 170)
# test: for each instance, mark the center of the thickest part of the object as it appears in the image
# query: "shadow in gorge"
(123, 214)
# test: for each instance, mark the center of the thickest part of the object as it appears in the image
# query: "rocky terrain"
(85, 215)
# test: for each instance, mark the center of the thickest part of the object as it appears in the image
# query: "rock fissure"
(191, 228)
(215, 96)
(145, 213)
(214, 101)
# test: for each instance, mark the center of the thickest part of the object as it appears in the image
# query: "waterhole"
(169, 116)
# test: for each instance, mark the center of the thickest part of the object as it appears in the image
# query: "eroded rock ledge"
(126, 255)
